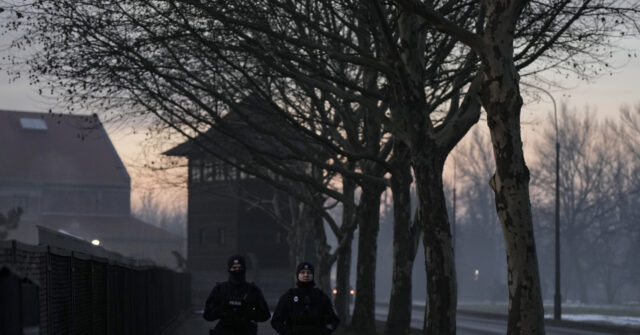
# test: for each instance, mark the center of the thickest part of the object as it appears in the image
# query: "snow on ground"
(616, 320)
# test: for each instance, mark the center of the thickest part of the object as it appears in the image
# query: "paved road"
(194, 324)
(480, 325)
(472, 324)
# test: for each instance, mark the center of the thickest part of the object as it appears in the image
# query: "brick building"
(66, 175)
(223, 218)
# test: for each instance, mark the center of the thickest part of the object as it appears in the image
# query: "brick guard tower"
(220, 222)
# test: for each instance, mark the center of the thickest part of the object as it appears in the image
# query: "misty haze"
(325, 167)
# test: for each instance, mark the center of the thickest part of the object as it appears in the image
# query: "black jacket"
(304, 311)
(238, 306)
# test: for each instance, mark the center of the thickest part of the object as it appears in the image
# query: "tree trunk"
(611, 285)
(511, 186)
(440, 314)
(294, 239)
(568, 269)
(410, 116)
(322, 252)
(343, 269)
(343, 285)
(500, 96)
(368, 217)
(578, 284)
(400, 303)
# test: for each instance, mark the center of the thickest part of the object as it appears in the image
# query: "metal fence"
(85, 294)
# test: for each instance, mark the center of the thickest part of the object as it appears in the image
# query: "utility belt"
(239, 321)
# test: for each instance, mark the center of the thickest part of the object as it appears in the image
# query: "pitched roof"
(107, 228)
(125, 235)
(104, 228)
(57, 148)
(238, 134)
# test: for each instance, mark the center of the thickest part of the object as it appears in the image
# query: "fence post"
(48, 280)
(113, 288)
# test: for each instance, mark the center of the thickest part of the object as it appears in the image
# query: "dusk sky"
(604, 95)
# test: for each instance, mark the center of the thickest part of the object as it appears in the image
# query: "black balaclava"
(305, 266)
(237, 276)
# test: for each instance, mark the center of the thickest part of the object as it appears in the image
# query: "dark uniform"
(237, 304)
(304, 310)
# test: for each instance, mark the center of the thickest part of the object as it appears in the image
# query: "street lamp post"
(557, 301)
(453, 223)
(557, 297)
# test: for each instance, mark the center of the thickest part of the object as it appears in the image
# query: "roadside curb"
(581, 325)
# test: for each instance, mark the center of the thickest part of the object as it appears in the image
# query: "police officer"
(305, 309)
(237, 304)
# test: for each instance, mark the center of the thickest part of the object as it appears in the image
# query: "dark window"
(308, 168)
(232, 173)
(220, 172)
(195, 171)
(241, 173)
(207, 172)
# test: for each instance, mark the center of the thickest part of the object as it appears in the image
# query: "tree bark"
(427, 159)
(440, 314)
(500, 96)
(400, 303)
(368, 217)
(511, 186)
(343, 270)
(573, 272)
(322, 252)
(294, 239)
(343, 282)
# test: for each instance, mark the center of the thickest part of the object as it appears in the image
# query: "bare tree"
(221, 82)
(627, 131)
(192, 105)
(513, 35)
(478, 236)
(10, 221)
(151, 210)
(186, 61)
(592, 173)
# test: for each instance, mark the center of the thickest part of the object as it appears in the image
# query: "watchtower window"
(232, 173)
(220, 172)
(196, 171)
(207, 172)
